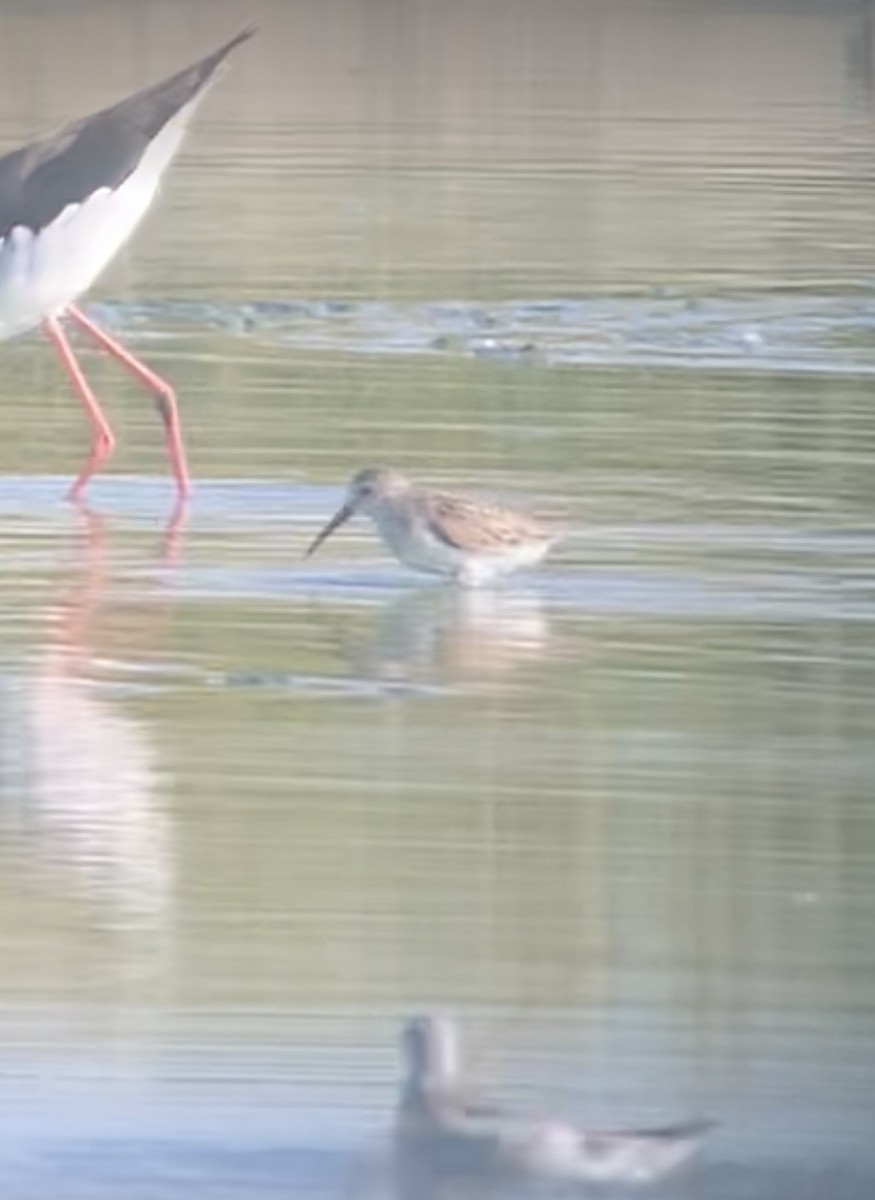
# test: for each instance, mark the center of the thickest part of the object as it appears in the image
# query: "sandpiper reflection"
(448, 636)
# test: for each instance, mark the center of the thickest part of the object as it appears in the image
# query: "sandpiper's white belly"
(41, 273)
(413, 543)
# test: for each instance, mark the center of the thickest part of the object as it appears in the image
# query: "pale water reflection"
(80, 776)
(454, 636)
(609, 258)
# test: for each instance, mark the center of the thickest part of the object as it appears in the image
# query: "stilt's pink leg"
(102, 437)
(174, 531)
(165, 395)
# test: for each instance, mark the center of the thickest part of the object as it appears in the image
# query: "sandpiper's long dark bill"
(443, 532)
(68, 203)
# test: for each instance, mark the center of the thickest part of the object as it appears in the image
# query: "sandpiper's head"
(372, 485)
(366, 491)
(431, 1050)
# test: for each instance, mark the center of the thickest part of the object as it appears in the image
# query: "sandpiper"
(442, 532)
(68, 203)
(440, 1128)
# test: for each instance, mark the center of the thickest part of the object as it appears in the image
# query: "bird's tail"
(153, 107)
(201, 72)
(682, 1131)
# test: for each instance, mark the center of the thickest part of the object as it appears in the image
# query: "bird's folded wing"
(37, 182)
(469, 526)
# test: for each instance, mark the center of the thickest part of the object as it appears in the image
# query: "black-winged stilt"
(68, 203)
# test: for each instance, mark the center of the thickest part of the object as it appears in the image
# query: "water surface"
(610, 260)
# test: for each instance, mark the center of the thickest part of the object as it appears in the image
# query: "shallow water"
(605, 260)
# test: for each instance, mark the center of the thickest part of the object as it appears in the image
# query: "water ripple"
(783, 331)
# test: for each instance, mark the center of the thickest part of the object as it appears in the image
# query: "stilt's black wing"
(38, 181)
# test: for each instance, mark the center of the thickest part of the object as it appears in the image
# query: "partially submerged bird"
(443, 532)
(440, 1129)
(68, 203)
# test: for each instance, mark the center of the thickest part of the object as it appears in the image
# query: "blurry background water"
(615, 259)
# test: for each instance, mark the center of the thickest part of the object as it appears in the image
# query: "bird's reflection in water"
(414, 1179)
(79, 779)
(450, 636)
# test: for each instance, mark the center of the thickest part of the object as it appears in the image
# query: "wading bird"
(443, 532)
(68, 203)
(441, 1129)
